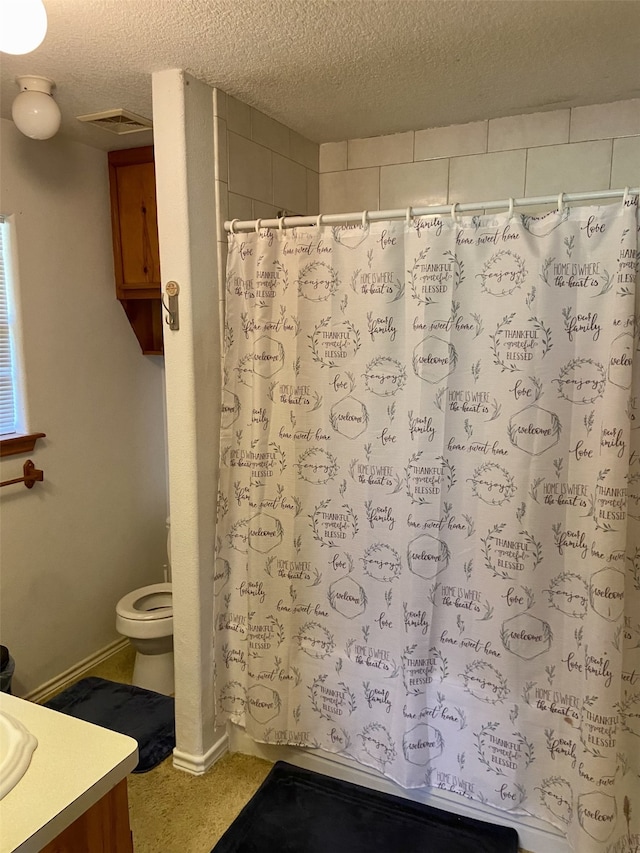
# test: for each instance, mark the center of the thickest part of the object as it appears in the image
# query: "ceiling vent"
(118, 121)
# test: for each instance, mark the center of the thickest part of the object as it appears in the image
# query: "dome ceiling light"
(23, 25)
(34, 111)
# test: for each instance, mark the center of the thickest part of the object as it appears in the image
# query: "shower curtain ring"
(510, 207)
(258, 225)
(365, 217)
(280, 224)
(625, 197)
(560, 202)
(319, 220)
(454, 214)
(233, 226)
(408, 219)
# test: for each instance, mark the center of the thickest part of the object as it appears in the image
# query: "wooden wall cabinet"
(135, 243)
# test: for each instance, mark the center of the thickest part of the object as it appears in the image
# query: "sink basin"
(16, 748)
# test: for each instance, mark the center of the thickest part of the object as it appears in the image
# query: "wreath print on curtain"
(428, 556)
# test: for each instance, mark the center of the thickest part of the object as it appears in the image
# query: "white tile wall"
(487, 176)
(356, 189)
(544, 153)
(250, 172)
(606, 121)
(239, 117)
(264, 211)
(221, 165)
(313, 192)
(222, 206)
(289, 184)
(415, 184)
(455, 140)
(261, 168)
(240, 207)
(577, 167)
(333, 157)
(625, 169)
(265, 131)
(304, 151)
(266, 166)
(529, 131)
(380, 150)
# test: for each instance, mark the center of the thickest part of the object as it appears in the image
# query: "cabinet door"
(135, 229)
(138, 226)
(101, 829)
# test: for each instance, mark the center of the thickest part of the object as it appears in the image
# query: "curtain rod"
(364, 216)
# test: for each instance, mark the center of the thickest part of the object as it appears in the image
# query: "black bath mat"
(146, 716)
(298, 811)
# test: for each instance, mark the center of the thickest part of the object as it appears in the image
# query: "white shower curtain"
(428, 556)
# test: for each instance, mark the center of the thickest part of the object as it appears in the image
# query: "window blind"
(7, 367)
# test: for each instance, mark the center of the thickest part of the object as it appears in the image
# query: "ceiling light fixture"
(23, 25)
(34, 111)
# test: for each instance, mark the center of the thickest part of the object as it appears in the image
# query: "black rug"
(298, 811)
(146, 716)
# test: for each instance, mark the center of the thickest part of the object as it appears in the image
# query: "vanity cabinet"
(103, 828)
(136, 252)
(72, 797)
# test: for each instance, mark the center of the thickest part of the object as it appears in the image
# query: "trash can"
(7, 666)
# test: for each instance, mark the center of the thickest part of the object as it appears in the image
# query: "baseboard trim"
(534, 835)
(56, 685)
(199, 764)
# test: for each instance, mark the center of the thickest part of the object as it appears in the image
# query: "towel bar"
(31, 475)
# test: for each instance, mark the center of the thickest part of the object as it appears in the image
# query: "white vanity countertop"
(74, 765)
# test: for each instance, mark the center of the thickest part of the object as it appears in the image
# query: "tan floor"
(174, 812)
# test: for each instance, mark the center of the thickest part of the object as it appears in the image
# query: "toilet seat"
(147, 604)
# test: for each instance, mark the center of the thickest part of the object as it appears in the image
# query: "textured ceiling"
(338, 69)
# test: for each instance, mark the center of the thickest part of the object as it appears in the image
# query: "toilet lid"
(147, 603)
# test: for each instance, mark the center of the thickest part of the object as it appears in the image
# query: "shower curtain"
(427, 555)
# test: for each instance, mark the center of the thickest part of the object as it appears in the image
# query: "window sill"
(19, 443)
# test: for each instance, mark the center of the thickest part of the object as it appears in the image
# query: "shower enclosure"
(191, 133)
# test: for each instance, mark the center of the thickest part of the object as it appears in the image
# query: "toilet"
(145, 616)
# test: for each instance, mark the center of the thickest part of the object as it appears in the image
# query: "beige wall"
(185, 183)
(570, 150)
(95, 529)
